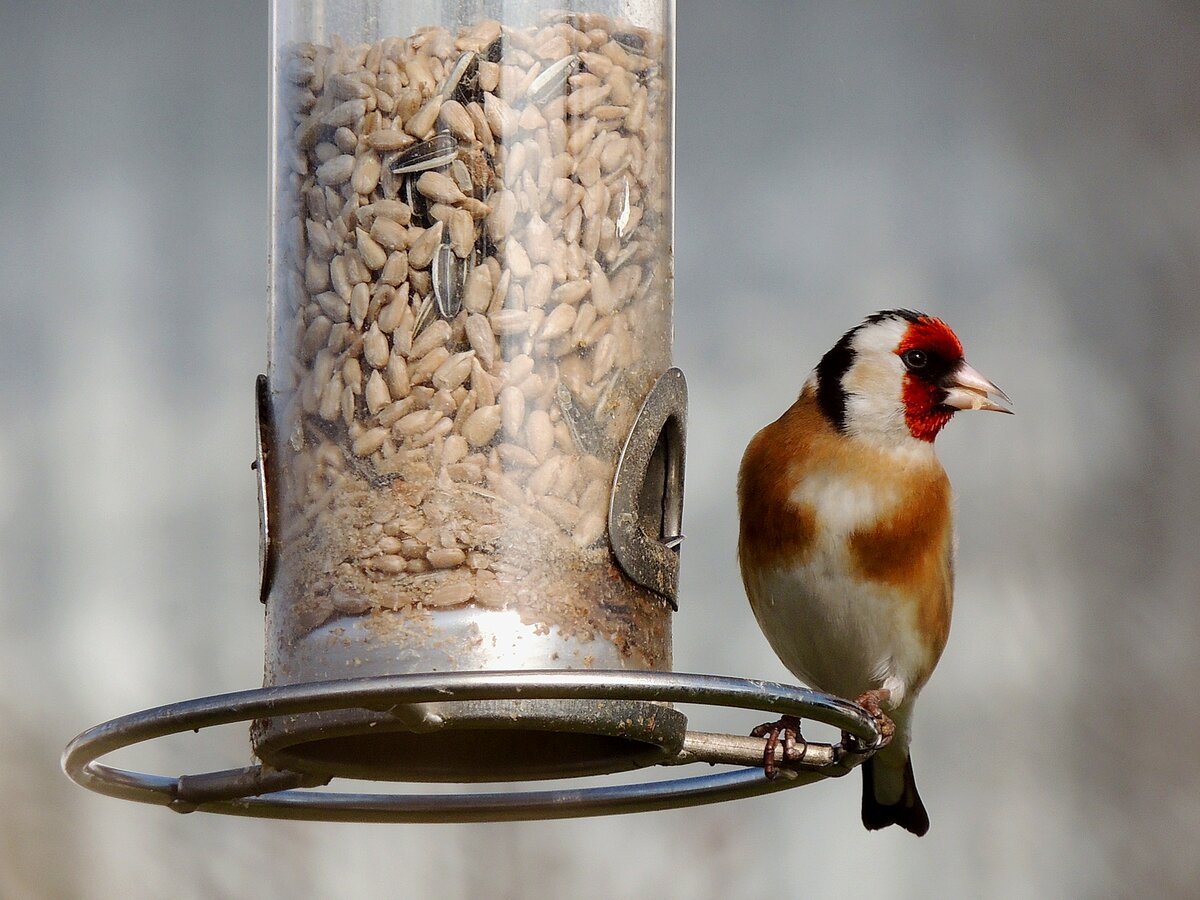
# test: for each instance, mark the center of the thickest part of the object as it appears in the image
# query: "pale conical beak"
(967, 389)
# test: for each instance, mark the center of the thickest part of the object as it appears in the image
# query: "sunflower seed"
(450, 594)
(514, 456)
(369, 441)
(435, 153)
(512, 410)
(623, 216)
(544, 476)
(336, 170)
(398, 383)
(483, 131)
(347, 113)
(347, 87)
(461, 231)
(561, 511)
(517, 259)
(552, 80)
(448, 278)
(588, 530)
(372, 253)
(422, 251)
(494, 51)
(455, 448)
(375, 347)
(347, 603)
(539, 434)
(416, 200)
(558, 323)
(584, 319)
(377, 395)
(482, 385)
(389, 234)
(477, 294)
(446, 558)
(352, 374)
(584, 433)
(387, 564)
(481, 426)
(426, 315)
(570, 292)
(395, 270)
(360, 304)
(422, 370)
(482, 341)
(458, 120)
(634, 43)
(366, 173)
(462, 82)
(506, 322)
(500, 117)
(332, 304)
(451, 374)
(537, 288)
(603, 296)
(423, 120)
(461, 176)
(503, 214)
(439, 188)
(580, 101)
(388, 139)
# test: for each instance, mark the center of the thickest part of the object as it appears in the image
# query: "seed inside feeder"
(475, 303)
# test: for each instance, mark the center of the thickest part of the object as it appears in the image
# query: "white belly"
(835, 633)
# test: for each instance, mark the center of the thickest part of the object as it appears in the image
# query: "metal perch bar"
(743, 750)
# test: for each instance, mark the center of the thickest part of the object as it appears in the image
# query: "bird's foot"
(788, 727)
(872, 702)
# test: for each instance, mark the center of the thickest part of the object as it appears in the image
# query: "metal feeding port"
(471, 436)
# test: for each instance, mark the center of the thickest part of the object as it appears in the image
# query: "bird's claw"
(872, 702)
(787, 727)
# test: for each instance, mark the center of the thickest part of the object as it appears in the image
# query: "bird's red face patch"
(933, 336)
(931, 343)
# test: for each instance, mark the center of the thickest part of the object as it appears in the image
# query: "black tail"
(909, 812)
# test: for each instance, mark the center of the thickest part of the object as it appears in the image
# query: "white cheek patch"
(873, 386)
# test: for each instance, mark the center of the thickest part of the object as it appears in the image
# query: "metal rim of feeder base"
(268, 793)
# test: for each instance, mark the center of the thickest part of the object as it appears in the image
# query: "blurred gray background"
(1028, 170)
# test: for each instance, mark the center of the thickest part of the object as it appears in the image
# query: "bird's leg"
(789, 728)
(872, 702)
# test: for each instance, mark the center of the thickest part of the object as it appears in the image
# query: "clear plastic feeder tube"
(471, 298)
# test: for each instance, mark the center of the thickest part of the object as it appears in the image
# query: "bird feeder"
(471, 436)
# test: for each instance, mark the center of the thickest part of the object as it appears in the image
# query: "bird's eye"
(915, 359)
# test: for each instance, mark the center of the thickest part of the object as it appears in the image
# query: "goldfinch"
(846, 542)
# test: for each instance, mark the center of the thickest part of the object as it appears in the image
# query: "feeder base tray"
(475, 740)
(267, 792)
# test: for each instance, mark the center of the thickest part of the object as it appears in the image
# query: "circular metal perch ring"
(263, 792)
